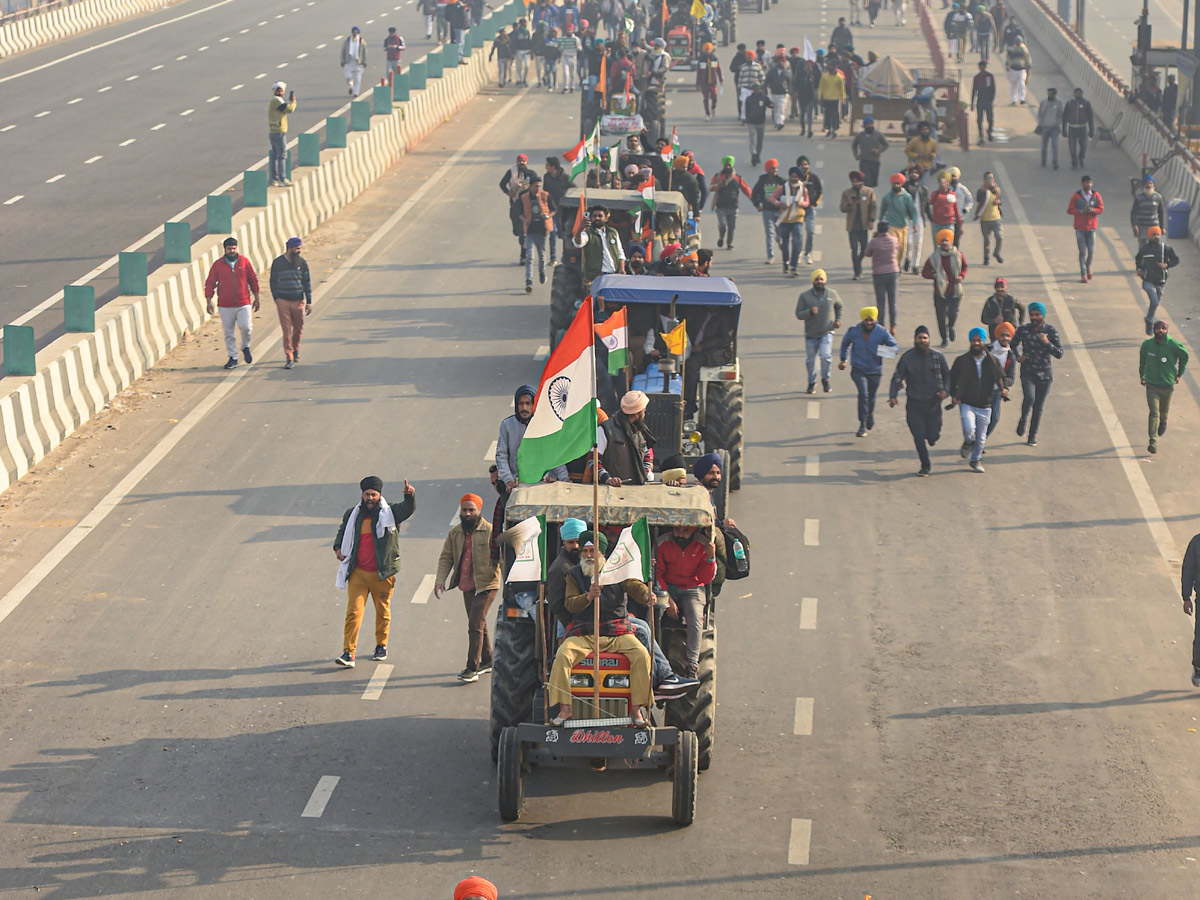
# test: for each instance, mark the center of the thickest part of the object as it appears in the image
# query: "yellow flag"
(676, 338)
(698, 9)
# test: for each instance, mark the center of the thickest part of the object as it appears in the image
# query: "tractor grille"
(611, 708)
(664, 418)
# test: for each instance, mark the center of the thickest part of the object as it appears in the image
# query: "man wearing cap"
(762, 196)
(983, 98)
(467, 560)
(1049, 122)
(1001, 307)
(946, 268)
(791, 202)
(868, 147)
(1037, 345)
(974, 377)
(475, 888)
(724, 190)
(861, 344)
(291, 287)
(1162, 363)
(278, 108)
(858, 203)
(1148, 208)
(899, 210)
(820, 309)
(354, 60)
(625, 444)
(393, 46)
(925, 374)
(233, 279)
(367, 546)
(1085, 208)
(1153, 260)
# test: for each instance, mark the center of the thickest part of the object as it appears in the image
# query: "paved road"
(997, 664)
(107, 135)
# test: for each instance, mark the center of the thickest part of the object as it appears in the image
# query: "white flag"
(630, 558)
(524, 538)
(809, 54)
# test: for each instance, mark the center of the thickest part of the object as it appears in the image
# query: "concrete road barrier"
(65, 21)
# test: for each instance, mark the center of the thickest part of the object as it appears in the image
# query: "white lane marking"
(237, 87)
(126, 143)
(11, 200)
(44, 112)
(372, 22)
(107, 87)
(491, 452)
(181, 58)
(378, 681)
(281, 66)
(156, 68)
(8, 128)
(424, 589)
(97, 158)
(59, 177)
(542, 353)
(814, 409)
(808, 613)
(158, 126)
(222, 40)
(202, 49)
(812, 466)
(260, 75)
(244, 31)
(261, 24)
(819, 164)
(280, 16)
(187, 112)
(320, 797)
(818, 228)
(454, 520)
(132, 78)
(213, 99)
(73, 102)
(817, 254)
(302, 55)
(1126, 453)
(804, 716)
(799, 841)
(322, 46)
(812, 532)
(117, 40)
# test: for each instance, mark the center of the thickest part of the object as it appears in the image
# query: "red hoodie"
(683, 567)
(944, 206)
(1085, 220)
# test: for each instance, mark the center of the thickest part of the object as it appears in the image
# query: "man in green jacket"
(601, 246)
(1163, 360)
(467, 560)
(368, 553)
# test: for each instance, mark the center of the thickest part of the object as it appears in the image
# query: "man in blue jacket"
(861, 344)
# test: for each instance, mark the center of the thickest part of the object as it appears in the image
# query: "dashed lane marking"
(379, 681)
(181, 58)
(202, 49)
(491, 452)
(126, 143)
(320, 797)
(44, 112)
(817, 255)
(222, 40)
(156, 68)
(812, 466)
(133, 78)
(159, 126)
(260, 75)
(213, 99)
(321, 46)
(814, 409)
(11, 200)
(812, 532)
(187, 112)
(542, 353)
(73, 102)
(107, 87)
(58, 177)
(804, 716)
(424, 589)
(302, 56)
(8, 128)
(237, 87)
(808, 613)
(799, 841)
(97, 158)
(282, 66)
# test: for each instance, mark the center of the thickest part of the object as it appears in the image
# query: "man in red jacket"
(233, 280)
(1085, 207)
(686, 563)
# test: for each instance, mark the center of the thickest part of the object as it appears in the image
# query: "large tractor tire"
(515, 674)
(653, 115)
(510, 776)
(683, 780)
(566, 289)
(695, 712)
(724, 404)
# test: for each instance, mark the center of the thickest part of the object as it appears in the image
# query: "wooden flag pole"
(596, 579)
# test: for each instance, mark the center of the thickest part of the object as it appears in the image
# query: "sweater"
(923, 374)
(898, 209)
(1147, 210)
(868, 145)
(829, 311)
(943, 203)
(923, 151)
(277, 113)
(882, 250)
(290, 280)
(862, 347)
(233, 284)
(1162, 363)
(831, 87)
(1189, 573)
(1154, 259)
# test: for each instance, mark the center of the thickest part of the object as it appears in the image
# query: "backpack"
(731, 534)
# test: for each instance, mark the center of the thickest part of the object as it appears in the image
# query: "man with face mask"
(233, 279)
(625, 444)
(820, 309)
(973, 378)
(868, 147)
(861, 344)
(291, 287)
(926, 376)
(512, 430)
(1161, 365)
(467, 560)
(367, 547)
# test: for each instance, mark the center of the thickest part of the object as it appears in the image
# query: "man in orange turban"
(476, 888)
(467, 561)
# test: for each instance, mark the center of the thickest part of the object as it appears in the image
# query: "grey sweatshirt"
(829, 310)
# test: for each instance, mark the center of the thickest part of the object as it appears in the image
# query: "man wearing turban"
(820, 309)
(367, 546)
(974, 377)
(999, 348)
(925, 374)
(861, 344)
(476, 888)
(467, 561)
(946, 268)
(1037, 345)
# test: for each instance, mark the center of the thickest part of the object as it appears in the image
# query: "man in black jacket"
(625, 457)
(754, 111)
(1190, 583)
(291, 287)
(1078, 125)
(926, 375)
(760, 196)
(974, 378)
(1154, 259)
(812, 184)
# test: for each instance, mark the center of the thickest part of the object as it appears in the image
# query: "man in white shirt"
(354, 60)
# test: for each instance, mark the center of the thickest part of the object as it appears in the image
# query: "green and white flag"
(528, 538)
(614, 156)
(631, 556)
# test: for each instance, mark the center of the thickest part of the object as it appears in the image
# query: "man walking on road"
(754, 109)
(925, 374)
(813, 189)
(899, 210)
(354, 60)
(858, 203)
(1148, 209)
(1153, 261)
(820, 309)
(1189, 578)
(861, 343)
(1162, 362)
(946, 268)
(233, 279)
(983, 99)
(1085, 208)
(761, 196)
(367, 547)
(467, 560)
(291, 287)
(1036, 344)
(974, 377)
(868, 147)
(990, 216)
(393, 46)
(1002, 307)
(277, 126)
(1078, 126)
(1049, 121)
(724, 191)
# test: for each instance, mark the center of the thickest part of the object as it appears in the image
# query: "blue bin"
(1178, 213)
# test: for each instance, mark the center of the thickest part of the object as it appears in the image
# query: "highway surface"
(996, 665)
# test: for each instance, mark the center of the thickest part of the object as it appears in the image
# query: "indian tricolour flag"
(614, 335)
(582, 153)
(630, 558)
(563, 426)
(647, 190)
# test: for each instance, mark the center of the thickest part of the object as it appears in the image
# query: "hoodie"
(512, 430)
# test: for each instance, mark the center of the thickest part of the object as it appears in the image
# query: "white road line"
(181, 58)
(302, 55)
(59, 177)
(132, 78)
(454, 520)
(817, 254)
(320, 797)
(541, 353)
(804, 716)
(322, 46)
(260, 75)
(379, 681)
(237, 87)
(187, 112)
(244, 31)
(156, 68)
(1126, 453)
(817, 229)
(88, 162)
(812, 466)
(808, 613)
(819, 164)
(213, 99)
(812, 532)
(8, 128)
(424, 589)
(260, 24)
(490, 456)
(202, 49)
(158, 126)
(107, 87)
(814, 409)
(11, 200)
(73, 102)
(799, 841)
(281, 66)
(126, 143)
(222, 40)
(44, 112)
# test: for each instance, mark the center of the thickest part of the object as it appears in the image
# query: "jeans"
(1077, 143)
(925, 423)
(858, 246)
(479, 644)
(392, 68)
(1158, 398)
(807, 109)
(691, 607)
(660, 668)
(754, 134)
(768, 217)
(810, 228)
(818, 348)
(1154, 293)
(1033, 397)
(523, 66)
(983, 42)
(535, 242)
(278, 156)
(997, 399)
(974, 425)
(1086, 240)
(1050, 136)
(833, 115)
(885, 296)
(946, 310)
(504, 63)
(726, 222)
(460, 36)
(992, 230)
(981, 111)
(916, 239)
(789, 243)
(868, 386)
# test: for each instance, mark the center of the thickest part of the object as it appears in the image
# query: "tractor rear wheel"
(724, 404)
(566, 289)
(695, 712)
(510, 775)
(515, 675)
(683, 780)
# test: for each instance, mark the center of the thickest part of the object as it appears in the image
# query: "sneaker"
(246, 355)
(232, 364)
(1032, 442)
(953, 336)
(380, 653)
(808, 256)
(346, 660)
(484, 669)
(675, 686)
(468, 676)
(770, 261)
(296, 355)
(862, 430)
(1149, 328)
(529, 287)
(825, 385)
(906, 265)
(976, 466)
(720, 242)
(923, 472)
(793, 272)
(1021, 427)
(542, 276)
(289, 364)
(1083, 278)
(965, 450)
(870, 422)
(1152, 448)
(812, 386)
(1195, 677)
(999, 258)
(1089, 274)
(729, 246)
(1162, 427)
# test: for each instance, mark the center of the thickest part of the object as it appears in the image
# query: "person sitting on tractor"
(556, 575)
(616, 630)
(670, 260)
(636, 263)
(707, 470)
(626, 456)
(601, 245)
(667, 230)
(685, 562)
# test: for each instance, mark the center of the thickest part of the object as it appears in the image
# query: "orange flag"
(602, 80)
(579, 215)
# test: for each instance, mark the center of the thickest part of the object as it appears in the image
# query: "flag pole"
(595, 524)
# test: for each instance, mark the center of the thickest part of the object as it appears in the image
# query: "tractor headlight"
(695, 437)
(616, 681)
(581, 681)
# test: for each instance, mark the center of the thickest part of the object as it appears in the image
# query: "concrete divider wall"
(56, 24)
(79, 373)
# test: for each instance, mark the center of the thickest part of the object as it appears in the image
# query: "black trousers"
(925, 423)
(946, 310)
(985, 110)
(870, 169)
